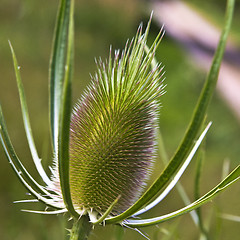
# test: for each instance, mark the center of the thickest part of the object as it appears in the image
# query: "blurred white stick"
(200, 37)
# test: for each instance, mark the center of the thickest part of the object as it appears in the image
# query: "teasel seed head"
(113, 129)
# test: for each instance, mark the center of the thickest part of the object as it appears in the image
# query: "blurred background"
(192, 29)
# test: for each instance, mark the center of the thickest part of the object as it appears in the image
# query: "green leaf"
(57, 68)
(26, 121)
(23, 175)
(230, 179)
(65, 108)
(193, 129)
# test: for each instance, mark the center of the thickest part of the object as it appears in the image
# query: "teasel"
(105, 148)
(113, 129)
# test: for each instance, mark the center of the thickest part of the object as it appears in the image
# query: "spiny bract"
(113, 129)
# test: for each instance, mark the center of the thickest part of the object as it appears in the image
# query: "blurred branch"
(200, 38)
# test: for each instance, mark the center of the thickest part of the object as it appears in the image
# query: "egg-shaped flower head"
(113, 129)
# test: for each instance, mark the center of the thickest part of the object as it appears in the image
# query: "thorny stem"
(81, 229)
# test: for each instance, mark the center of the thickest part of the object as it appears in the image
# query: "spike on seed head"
(113, 129)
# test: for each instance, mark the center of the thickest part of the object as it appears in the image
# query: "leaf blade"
(56, 71)
(65, 115)
(26, 121)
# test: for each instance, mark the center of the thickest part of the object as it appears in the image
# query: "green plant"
(122, 98)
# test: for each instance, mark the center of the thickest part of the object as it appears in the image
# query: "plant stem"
(81, 229)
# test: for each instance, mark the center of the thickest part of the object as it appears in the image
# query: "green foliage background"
(29, 26)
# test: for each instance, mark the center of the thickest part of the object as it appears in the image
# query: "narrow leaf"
(57, 68)
(26, 121)
(65, 115)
